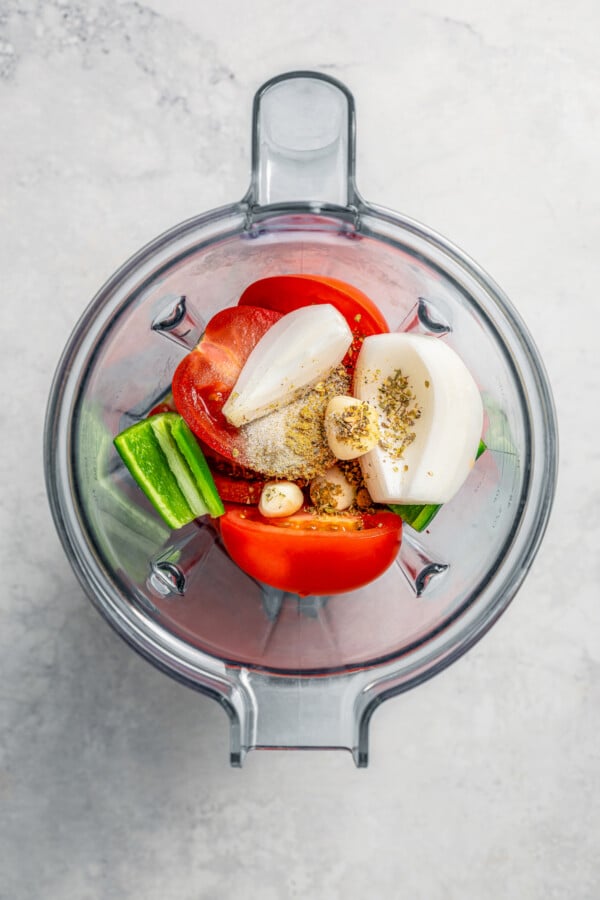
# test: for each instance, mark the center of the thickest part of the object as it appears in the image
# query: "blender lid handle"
(303, 142)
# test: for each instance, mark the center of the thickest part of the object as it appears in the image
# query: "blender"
(291, 671)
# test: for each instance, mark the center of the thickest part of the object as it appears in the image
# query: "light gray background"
(120, 119)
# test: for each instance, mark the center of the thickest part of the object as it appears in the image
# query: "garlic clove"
(351, 426)
(295, 353)
(332, 491)
(279, 499)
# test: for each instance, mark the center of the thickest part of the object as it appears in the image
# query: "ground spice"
(291, 442)
(352, 472)
(324, 496)
(400, 411)
(355, 426)
(363, 502)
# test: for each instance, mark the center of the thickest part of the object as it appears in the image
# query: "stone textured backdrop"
(119, 119)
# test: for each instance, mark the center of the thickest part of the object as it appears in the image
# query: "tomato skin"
(238, 490)
(205, 377)
(161, 408)
(304, 561)
(286, 293)
(165, 405)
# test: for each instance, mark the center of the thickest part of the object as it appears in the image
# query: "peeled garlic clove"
(295, 353)
(280, 498)
(351, 426)
(332, 491)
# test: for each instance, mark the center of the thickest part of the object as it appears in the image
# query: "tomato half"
(286, 293)
(308, 554)
(205, 377)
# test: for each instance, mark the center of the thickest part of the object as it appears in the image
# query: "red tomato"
(205, 377)
(285, 293)
(165, 405)
(308, 554)
(238, 490)
(234, 482)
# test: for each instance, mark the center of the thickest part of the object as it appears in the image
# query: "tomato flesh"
(204, 378)
(309, 554)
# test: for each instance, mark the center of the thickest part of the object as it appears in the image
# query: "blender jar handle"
(278, 713)
(303, 142)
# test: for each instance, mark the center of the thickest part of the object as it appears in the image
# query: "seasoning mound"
(352, 427)
(291, 442)
(399, 412)
(325, 496)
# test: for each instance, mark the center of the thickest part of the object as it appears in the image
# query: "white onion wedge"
(434, 466)
(295, 353)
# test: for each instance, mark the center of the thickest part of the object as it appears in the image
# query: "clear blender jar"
(296, 672)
